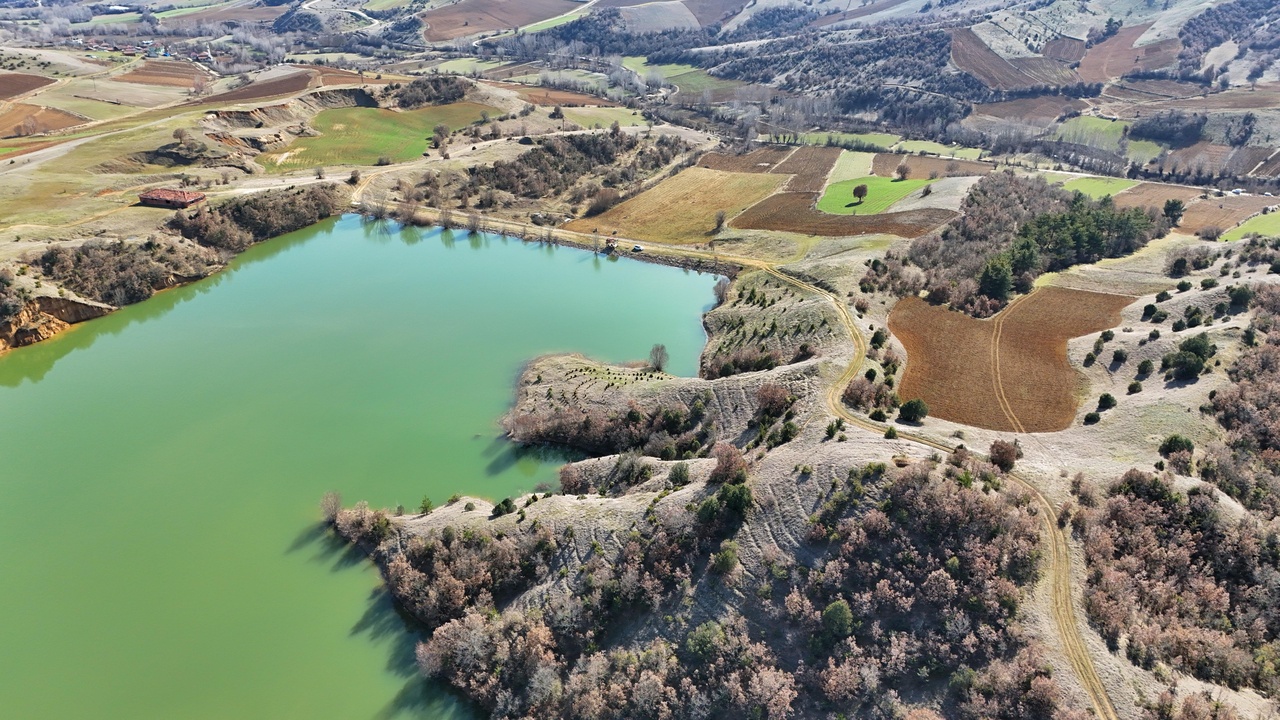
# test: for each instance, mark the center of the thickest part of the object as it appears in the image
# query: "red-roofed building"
(165, 197)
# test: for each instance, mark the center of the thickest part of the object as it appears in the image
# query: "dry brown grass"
(757, 161)
(682, 209)
(922, 166)
(795, 212)
(809, 168)
(1009, 373)
(1224, 212)
(1154, 195)
(1065, 49)
(166, 73)
(14, 84)
(22, 119)
(1040, 110)
(471, 17)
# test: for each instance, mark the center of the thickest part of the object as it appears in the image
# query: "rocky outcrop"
(45, 317)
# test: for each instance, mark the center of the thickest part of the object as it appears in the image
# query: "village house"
(167, 198)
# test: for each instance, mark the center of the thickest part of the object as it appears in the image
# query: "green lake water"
(162, 467)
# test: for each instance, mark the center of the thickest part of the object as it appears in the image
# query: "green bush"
(727, 559)
(1092, 418)
(1135, 387)
(679, 475)
(837, 620)
(1145, 367)
(1176, 443)
(913, 410)
(1106, 401)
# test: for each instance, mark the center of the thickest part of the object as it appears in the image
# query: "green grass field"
(688, 78)
(1143, 151)
(1092, 131)
(553, 22)
(918, 146)
(1265, 225)
(883, 141)
(384, 4)
(881, 194)
(360, 136)
(1097, 187)
(604, 117)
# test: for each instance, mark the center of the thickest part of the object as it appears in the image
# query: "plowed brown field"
(286, 85)
(471, 17)
(973, 56)
(548, 97)
(14, 84)
(1223, 213)
(1116, 55)
(1154, 195)
(810, 167)
(760, 160)
(1008, 373)
(166, 73)
(795, 212)
(22, 119)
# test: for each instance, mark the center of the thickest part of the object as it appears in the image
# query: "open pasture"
(362, 136)
(923, 166)
(881, 194)
(796, 212)
(1098, 187)
(682, 209)
(1008, 373)
(1265, 225)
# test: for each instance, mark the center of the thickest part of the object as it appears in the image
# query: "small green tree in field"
(837, 620)
(913, 411)
(860, 193)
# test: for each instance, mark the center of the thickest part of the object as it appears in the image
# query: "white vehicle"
(636, 248)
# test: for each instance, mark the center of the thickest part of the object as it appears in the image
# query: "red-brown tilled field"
(14, 84)
(1008, 373)
(795, 212)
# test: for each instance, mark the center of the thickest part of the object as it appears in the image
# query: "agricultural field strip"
(1001, 398)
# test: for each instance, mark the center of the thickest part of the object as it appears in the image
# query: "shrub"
(1119, 357)
(891, 433)
(505, 507)
(1092, 418)
(735, 498)
(330, 506)
(1208, 284)
(1176, 444)
(1135, 387)
(727, 559)
(1003, 454)
(913, 411)
(1184, 286)
(706, 641)
(837, 620)
(426, 506)
(469, 507)
(679, 475)
(1106, 401)
(730, 465)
